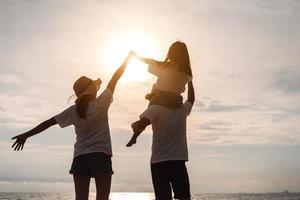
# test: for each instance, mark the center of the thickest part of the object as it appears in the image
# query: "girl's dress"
(169, 85)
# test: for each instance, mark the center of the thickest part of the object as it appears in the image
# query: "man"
(169, 147)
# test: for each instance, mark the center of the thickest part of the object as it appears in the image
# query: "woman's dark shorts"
(167, 174)
(92, 164)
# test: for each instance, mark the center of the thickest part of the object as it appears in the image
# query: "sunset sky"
(243, 132)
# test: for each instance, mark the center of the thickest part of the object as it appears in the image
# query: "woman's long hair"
(82, 105)
(179, 55)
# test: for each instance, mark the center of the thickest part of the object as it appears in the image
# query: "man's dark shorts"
(167, 175)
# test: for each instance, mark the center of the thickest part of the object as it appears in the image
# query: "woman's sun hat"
(86, 86)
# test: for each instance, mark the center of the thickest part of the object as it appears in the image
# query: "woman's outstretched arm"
(117, 75)
(21, 139)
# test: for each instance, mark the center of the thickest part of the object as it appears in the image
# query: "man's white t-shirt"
(169, 132)
(92, 133)
(168, 78)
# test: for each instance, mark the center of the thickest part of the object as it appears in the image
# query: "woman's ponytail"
(82, 105)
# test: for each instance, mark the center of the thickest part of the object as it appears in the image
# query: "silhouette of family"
(166, 112)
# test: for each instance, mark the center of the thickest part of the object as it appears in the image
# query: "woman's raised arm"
(117, 75)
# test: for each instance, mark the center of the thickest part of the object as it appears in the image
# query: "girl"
(172, 76)
(92, 150)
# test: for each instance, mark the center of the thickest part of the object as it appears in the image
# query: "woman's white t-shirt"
(92, 133)
(169, 132)
(168, 78)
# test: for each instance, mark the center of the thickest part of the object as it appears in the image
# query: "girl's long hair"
(179, 55)
(82, 105)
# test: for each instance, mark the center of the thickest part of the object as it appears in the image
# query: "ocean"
(149, 196)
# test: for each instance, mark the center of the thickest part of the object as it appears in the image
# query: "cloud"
(219, 106)
(35, 179)
(218, 122)
(59, 151)
(215, 125)
(34, 187)
(20, 111)
(255, 7)
(287, 79)
(9, 79)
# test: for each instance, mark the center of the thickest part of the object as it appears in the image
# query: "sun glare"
(123, 42)
(131, 196)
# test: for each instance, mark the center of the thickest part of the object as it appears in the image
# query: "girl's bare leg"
(82, 185)
(103, 184)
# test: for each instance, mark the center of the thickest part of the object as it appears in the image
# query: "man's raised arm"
(191, 93)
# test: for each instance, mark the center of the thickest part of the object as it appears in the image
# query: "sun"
(118, 47)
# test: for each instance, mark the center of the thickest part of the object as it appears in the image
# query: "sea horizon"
(146, 192)
(150, 196)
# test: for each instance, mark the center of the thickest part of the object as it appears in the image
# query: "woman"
(92, 150)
